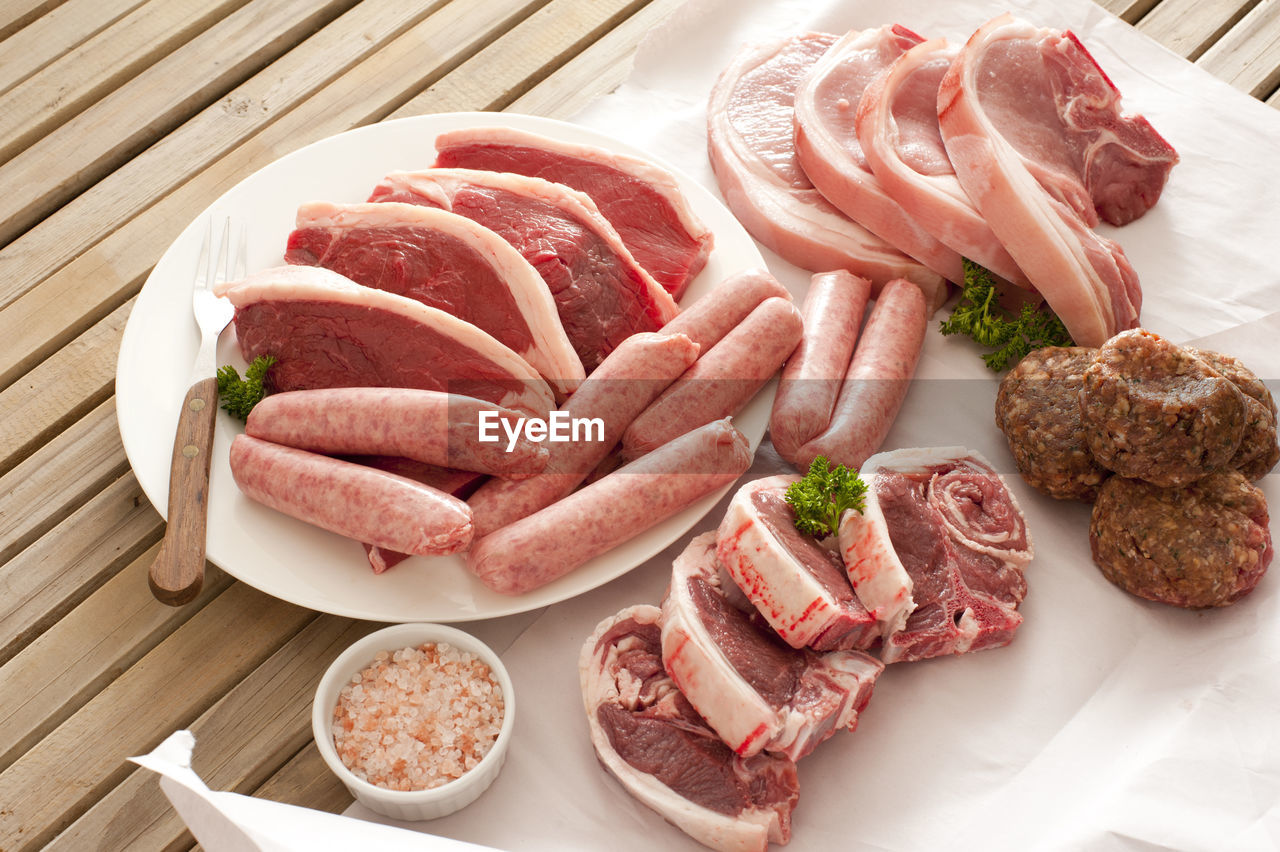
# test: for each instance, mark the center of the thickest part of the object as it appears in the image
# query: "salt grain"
(417, 718)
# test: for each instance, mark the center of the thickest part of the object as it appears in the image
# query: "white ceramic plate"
(286, 558)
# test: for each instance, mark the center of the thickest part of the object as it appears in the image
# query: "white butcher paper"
(1110, 723)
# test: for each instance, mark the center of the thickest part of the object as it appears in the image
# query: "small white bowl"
(411, 804)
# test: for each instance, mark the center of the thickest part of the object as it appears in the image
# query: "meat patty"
(1038, 410)
(1259, 451)
(1203, 545)
(1152, 410)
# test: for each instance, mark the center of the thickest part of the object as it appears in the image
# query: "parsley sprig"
(978, 314)
(824, 495)
(238, 395)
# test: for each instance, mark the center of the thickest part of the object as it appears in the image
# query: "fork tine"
(201, 276)
(219, 274)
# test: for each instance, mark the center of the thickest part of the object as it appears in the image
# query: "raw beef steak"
(602, 295)
(751, 142)
(758, 693)
(326, 331)
(799, 587)
(647, 734)
(642, 201)
(1033, 128)
(958, 532)
(446, 261)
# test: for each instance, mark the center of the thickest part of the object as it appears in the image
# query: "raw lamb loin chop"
(758, 693)
(601, 294)
(647, 734)
(642, 201)
(326, 331)
(953, 526)
(1033, 128)
(832, 157)
(897, 127)
(446, 261)
(751, 142)
(799, 587)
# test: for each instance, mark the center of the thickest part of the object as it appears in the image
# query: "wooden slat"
(1128, 10)
(62, 775)
(597, 70)
(150, 175)
(1248, 56)
(57, 32)
(61, 389)
(58, 478)
(40, 321)
(130, 116)
(514, 63)
(63, 88)
(1189, 27)
(306, 780)
(16, 14)
(257, 728)
(52, 576)
(73, 660)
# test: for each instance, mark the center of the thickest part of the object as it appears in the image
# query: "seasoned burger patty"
(1203, 545)
(1259, 451)
(1038, 410)
(1152, 410)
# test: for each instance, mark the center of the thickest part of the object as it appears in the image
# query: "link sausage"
(552, 542)
(877, 381)
(722, 380)
(352, 500)
(626, 382)
(717, 313)
(424, 425)
(811, 378)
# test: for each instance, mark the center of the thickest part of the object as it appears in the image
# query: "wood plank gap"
(1190, 27)
(1129, 11)
(16, 14)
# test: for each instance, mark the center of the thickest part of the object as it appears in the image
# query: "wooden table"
(120, 120)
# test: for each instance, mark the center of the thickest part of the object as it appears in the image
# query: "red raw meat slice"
(832, 157)
(651, 739)
(756, 691)
(445, 261)
(751, 142)
(799, 587)
(601, 294)
(1033, 128)
(898, 131)
(326, 331)
(959, 534)
(642, 201)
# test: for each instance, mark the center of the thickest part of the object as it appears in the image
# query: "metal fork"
(178, 572)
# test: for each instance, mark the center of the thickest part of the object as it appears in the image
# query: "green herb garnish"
(238, 395)
(823, 496)
(978, 314)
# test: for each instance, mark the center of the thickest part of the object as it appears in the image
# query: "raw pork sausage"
(877, 381)
(625, 383)
(427, 426)
(722, 380)
(717, 313)
(811, 378)
(552, 542)
(351, 500)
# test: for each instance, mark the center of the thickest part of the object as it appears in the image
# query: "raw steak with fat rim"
(326, 331)
(751, 142)
(641, 200)
(651, 739)
(832, 156)
(897, 127)
(756, 691)
(601, 293)
(959, 534)
(799, 587)
(1033, 128)
(446, 261)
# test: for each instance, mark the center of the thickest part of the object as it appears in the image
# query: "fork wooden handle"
(178, 572)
